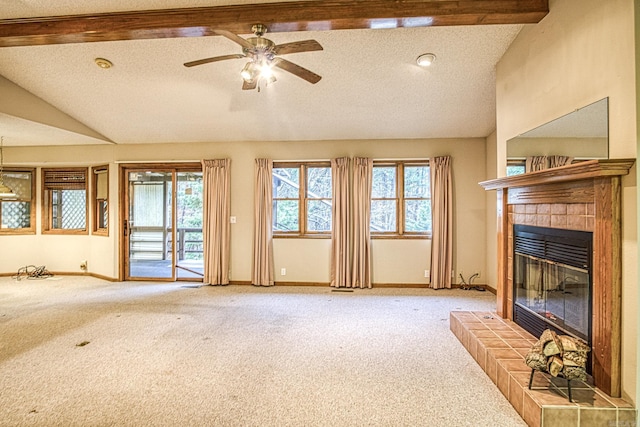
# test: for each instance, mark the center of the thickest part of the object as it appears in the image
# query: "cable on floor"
(32, 272)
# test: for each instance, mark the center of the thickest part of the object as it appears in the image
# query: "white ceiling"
(371, 87)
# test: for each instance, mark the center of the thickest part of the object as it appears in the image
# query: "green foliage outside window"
(414, 198)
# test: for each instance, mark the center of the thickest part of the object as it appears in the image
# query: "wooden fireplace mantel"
(588, 194)
(574, 172)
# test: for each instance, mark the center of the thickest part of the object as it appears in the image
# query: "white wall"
(581, 52)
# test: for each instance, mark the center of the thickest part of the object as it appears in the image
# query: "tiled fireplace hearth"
(499, 345)
(583, 197)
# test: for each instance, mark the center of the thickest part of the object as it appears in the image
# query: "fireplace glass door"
(552, 280)
(556, 292)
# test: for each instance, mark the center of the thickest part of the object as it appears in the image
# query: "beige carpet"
(84, 352)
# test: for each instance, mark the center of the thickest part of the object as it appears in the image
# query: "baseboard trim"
(100, 276)
(96, 275)
(490, 289)
(248, 282)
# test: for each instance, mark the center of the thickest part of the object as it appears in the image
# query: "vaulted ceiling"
(53, 93)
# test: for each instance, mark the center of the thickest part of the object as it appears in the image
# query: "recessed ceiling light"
(103, 63)
(426, 59)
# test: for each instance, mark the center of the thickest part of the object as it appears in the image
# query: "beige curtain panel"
(557, 161)
(362, 181)
(215, 228)
(536, 163)
(340, 217)
(441, 222)
(262, 270)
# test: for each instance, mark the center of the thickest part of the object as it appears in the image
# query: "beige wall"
(492, 203)
(581, 52)
(579, 148)
(306, 260)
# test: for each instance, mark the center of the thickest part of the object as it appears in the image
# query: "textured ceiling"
(371, 87)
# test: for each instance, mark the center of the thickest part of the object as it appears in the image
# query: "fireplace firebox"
(552, 280)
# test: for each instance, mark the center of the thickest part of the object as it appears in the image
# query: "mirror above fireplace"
(582, 134)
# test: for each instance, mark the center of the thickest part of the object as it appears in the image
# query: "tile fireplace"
(571, 200)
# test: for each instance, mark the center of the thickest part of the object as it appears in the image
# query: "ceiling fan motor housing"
(264, 48)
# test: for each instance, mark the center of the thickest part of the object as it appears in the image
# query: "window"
(515, 167)
(100, 196)
(64, 201)
(18, 215)
(302, 199)
(401, 199)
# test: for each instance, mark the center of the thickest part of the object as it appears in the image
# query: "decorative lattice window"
(64, 200)
(17, 213)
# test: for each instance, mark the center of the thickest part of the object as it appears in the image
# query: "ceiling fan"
(263, 55)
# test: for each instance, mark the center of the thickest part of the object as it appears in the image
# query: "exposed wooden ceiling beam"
(279, 17)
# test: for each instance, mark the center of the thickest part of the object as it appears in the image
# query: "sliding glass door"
(162, 223)
(189, 257)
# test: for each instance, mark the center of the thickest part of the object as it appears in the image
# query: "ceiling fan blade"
(234, 37)
(249, 85)
(214, 59)
(299, 46)
(297, 70)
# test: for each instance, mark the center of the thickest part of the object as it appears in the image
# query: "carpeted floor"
(78, 351)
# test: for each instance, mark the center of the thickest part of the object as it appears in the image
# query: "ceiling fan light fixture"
(266, 71)
(249, 72)
(426, 59)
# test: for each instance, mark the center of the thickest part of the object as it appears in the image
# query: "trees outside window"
(515, 167)
(400, 199)
(302, 199)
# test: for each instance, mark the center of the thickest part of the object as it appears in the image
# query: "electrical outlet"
(427, 273)
(83, 265)
(232, 219)
(283, 271)
(453, 273)
(479, 274)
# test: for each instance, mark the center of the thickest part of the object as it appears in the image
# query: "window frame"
(96, 202)
(514, 163)
(47, 203)
(400, 199)
(32, 203)
(302, 199)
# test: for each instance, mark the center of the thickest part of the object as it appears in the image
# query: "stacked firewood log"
(559, 355)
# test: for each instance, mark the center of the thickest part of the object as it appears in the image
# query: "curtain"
(535, 163)
(215, 227)
(441, 222)
(262, 270)
(361, 264)
(340, 216)
(557, 161)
